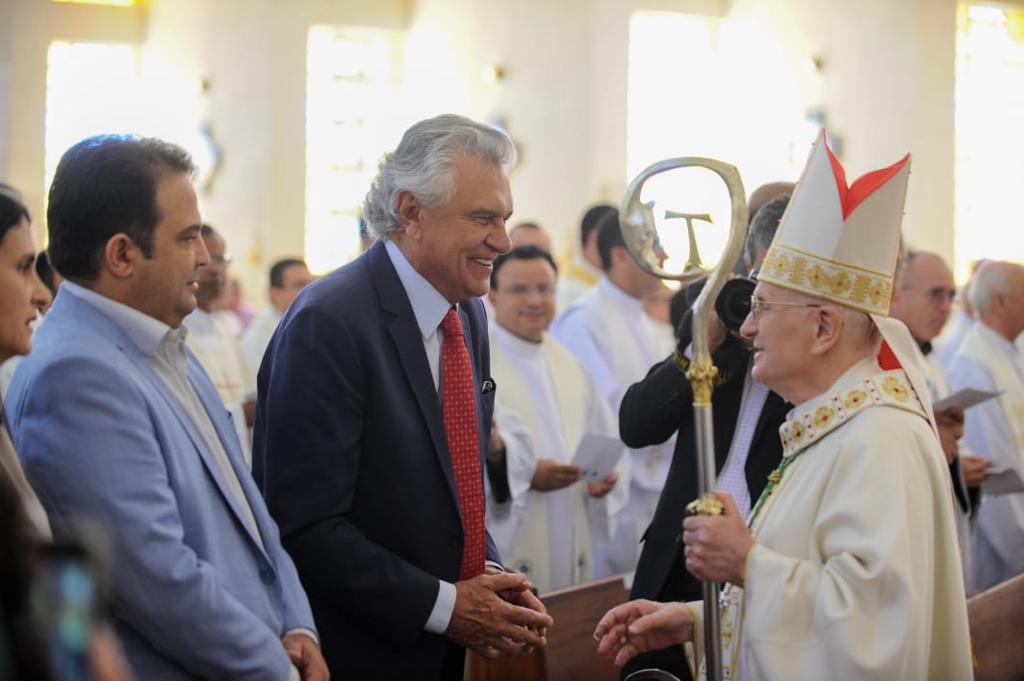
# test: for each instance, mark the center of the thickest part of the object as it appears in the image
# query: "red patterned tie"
(460, 424)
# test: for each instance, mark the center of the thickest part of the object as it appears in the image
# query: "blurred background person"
(923, 299)
(529, 234)
(583, 271)
(288, 276)
(987, 359)
(216, 346)
(608, 333)
(230, 307)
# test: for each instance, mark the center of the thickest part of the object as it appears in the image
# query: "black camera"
(733, 303)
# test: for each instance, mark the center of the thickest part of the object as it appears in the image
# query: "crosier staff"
(639, 233)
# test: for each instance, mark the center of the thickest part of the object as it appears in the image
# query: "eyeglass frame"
(756, 303)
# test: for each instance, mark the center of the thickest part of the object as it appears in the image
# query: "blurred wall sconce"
(492, 74)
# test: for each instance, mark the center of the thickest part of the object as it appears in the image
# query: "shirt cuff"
(444, 606)
(305, 632)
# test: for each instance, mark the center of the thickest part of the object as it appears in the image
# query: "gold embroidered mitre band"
(840, 242)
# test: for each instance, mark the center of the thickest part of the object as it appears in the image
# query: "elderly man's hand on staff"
(717, 546)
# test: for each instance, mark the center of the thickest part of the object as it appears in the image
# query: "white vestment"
(578, 277)
(855, 572)
(217, 350)
(547, 535)
(938, 386)
(995, 430)
(256, 338)
(608, 333)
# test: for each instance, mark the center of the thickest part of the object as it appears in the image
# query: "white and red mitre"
(840, 242)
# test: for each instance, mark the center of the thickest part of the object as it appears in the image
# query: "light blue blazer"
(195, 594)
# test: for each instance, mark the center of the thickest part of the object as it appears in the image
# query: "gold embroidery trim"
(889, 388)
(848, 285)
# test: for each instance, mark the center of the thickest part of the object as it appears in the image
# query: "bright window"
(90, 89)
(683, 100)
(350, 82)
(989, 144)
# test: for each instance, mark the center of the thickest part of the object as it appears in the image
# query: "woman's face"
(21, 290)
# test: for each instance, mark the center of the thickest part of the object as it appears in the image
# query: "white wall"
(886, 87)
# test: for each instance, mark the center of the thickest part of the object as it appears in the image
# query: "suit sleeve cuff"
(444, 606)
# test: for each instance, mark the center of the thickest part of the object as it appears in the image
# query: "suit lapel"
(229, 441)
(408, 340)
(193, 434)
(98, 321)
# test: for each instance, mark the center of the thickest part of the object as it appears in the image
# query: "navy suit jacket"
(351, 454)
(195, 594)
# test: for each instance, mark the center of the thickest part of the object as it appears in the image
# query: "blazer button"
(266, 575)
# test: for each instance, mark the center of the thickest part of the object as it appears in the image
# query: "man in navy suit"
(374, 417)
(118, 423)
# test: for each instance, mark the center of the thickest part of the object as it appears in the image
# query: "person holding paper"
(988, 360)
(923, 300)
(546, 405)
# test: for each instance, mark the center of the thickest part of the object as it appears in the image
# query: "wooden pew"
(996, 620)
(571, 651)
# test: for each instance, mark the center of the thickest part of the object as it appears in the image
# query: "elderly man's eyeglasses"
(758, 306)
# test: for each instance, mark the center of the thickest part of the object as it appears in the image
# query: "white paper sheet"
(1002, 480)
(596, 456)
(966, 398)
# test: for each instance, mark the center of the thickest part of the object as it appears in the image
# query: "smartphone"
(66, 606)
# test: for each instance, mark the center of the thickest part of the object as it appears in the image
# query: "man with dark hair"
(288, 276)
(544, 522)
(375, 413)
(747, 417)
(609, 334)
(118, 423)
(583, 271)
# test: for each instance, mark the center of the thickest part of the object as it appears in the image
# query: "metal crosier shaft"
(640, 234)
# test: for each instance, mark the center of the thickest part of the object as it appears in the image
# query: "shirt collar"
(619, 296)
(144, 331)
(428, 305)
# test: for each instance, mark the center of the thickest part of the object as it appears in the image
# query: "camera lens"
(733, 303)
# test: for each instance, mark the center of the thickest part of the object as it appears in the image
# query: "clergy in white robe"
(545, 404)
(988, 360)
(847, 566)
(923, 300)
(609, 334)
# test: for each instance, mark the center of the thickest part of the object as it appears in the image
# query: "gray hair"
(422, 165)
(995, 276)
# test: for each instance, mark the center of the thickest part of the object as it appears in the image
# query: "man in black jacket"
(662, 403)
